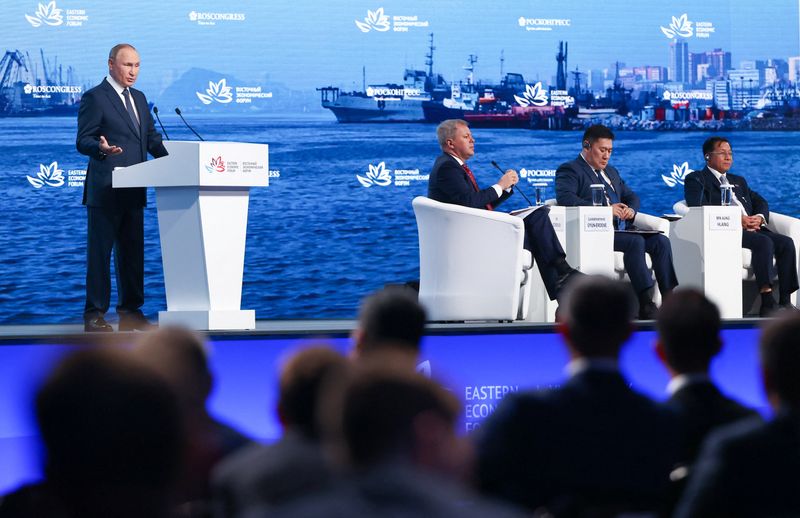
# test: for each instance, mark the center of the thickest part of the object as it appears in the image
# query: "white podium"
(587, 237)
(707, 252)
(202, 194)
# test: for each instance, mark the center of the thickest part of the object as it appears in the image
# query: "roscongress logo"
(677, 176)
(680, 26)
(375, 21)
(216, 92)
(49, 175)
(543, 24)
(47, 14)
(216, 165)
(533, 96)
(376, 175)
(205, 18)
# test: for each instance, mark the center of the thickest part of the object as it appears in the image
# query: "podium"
(707, 251)
(202, 195)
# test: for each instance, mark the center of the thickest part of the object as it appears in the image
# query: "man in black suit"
(752, 468)
(688, 327)
(452, 181)
(265, 476)
(703, 188)
(593, 445)
(390, 322)
(573, 181)
(115, 129)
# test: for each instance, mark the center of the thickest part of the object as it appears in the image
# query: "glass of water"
(726, 194)
(598, 194)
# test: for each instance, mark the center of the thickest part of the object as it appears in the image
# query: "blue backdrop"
(336, 221)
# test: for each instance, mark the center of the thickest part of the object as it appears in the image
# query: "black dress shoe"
(134, 323)
(564, 279)
(648, 311)
(97, 325)
(768, 307)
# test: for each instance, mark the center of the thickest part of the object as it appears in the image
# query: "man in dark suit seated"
(703, 188)
(752, 468)
(593, 445)
(688, 327)
(452, 181)
(115, 129)
(573, 181)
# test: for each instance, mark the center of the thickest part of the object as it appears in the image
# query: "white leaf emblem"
(219, 91)
(375, 20)
(48, 175)
(377, 175)
(677, 176)
(680, 26)
(533, 96)
(46, 13)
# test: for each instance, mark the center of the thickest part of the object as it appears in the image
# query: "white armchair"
(711, 254)
(473, 264)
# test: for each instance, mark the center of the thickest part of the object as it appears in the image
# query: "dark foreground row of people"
(126, 432)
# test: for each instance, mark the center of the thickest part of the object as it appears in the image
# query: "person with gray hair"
(452, 181)
(593, 446)
(752, 468)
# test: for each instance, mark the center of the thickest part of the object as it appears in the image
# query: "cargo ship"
(388, 102)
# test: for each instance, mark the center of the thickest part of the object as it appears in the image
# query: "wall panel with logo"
(348, 97)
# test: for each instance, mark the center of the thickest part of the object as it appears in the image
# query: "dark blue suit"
(573, 180)
(449, 183)
(115, 216)
(703, 188)
(593, 442)
(749, 468)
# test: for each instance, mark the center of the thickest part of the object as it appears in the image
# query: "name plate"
(557, 220)
(724, 221)
(593, 223)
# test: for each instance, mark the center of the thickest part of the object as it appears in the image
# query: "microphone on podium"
(178, 111)
(517, 185)
(155, 110)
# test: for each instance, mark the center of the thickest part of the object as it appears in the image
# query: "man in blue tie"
(573, 188)
(703, 188)
(115, 129)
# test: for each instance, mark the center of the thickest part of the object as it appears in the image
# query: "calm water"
(317, 240)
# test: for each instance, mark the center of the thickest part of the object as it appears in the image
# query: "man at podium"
(115, 129)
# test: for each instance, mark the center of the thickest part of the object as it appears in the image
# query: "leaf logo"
(216, 165)
(680, 26)
(424, 368)
(377, 175)
(48, 14)
(677, 176)
(375, 20)
(219, 92)
(48, 175)
(193, 16)
(533, 96)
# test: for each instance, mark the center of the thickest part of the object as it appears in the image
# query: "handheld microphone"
(517, 186)
(178, 111)
(155, 110)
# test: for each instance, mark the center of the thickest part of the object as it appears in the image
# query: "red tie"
(474, 183)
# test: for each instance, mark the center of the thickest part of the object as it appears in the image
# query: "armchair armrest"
(648, 222)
